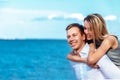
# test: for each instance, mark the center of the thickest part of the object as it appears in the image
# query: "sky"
(47, 19)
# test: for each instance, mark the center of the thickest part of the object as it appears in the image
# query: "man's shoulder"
(86, 48)
(87, 45)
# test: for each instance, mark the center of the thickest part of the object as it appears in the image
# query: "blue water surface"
(35, 60)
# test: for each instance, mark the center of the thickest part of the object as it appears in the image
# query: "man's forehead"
(73, 31)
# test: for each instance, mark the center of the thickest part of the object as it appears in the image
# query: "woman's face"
(88, 31)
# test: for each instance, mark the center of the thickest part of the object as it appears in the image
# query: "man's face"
(88, 31)
(75, 39)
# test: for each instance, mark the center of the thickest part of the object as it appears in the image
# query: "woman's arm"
(76, 58)
(91, 52)
(107, 43)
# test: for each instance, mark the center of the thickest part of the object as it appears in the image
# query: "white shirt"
(80, 68)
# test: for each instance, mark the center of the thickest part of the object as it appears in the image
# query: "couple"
(95, 51)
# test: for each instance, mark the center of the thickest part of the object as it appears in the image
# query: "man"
(79, 54)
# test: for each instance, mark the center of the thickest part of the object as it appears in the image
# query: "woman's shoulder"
(113, 40)
(110, 37)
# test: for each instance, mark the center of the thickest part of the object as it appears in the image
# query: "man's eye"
(74, 35)
(68, 37)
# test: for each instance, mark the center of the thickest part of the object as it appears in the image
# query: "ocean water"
(35, 60)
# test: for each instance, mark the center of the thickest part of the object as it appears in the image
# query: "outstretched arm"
(76, 58)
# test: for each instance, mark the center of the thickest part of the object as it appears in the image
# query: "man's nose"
(71, 38)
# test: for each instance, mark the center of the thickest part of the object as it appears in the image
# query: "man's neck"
(81, 47)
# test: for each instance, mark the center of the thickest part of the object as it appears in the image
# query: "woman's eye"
(84, 27)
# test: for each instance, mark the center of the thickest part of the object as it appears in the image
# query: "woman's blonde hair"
(97, 26)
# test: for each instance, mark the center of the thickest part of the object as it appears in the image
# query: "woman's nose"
(86, 31)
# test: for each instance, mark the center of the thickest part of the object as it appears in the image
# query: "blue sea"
(35, 60)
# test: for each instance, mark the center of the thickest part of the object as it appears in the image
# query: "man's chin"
(73, 48)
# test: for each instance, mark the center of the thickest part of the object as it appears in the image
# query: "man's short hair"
(79, 26)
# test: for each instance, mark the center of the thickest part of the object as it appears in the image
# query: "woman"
(98, 37)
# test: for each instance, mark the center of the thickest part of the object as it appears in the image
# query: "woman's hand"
(94, 66)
